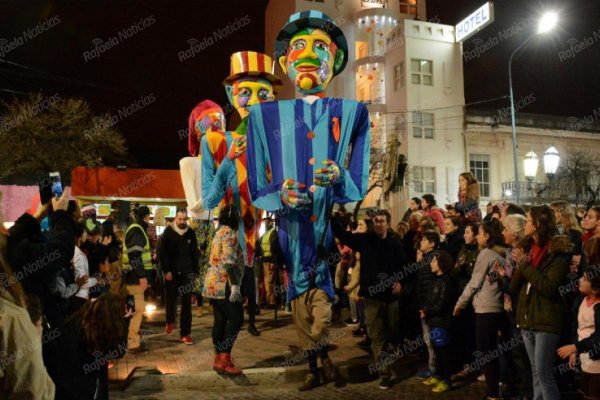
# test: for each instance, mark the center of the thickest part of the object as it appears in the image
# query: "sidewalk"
(272, 358)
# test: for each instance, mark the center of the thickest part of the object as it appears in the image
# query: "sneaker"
(138, 350)
(311, 382)
(253, 331)
(385, 383)
(351, 322)
(424, 374)
(186, 340)
(431, 381)
(169, 329)
(481, 378)
(360, 332)
(441, 387)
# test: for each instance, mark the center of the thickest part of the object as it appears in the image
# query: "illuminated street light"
(545, 25)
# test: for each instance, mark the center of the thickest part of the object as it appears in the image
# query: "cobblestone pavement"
(410, 388)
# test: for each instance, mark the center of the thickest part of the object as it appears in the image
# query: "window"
(424, 179)
(422, 125)
(421, 72)
(398, 76)
(407, 8)
(479, 164)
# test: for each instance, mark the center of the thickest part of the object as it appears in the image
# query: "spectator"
(489, 208)
(464, 324)
(410, 239)
(365, 225)
(586, 334)
(222, 287)
(510, 209)
(454, 236)
(541, 270)
(429, 245)
(437, 313)
(414, 205)
(179, 260)
(468, 198)
(99, 262)
(25, 378)
(487, 300)
(381, 255)
(401, 229)
(590, 222)
(430, 210)
(513, 233)
(100, 337)
(81, 266)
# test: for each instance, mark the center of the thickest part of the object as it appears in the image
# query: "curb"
(352, 371)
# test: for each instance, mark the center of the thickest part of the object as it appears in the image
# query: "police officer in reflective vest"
(137, 262)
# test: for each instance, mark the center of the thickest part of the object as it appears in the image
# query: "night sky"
(146, 59)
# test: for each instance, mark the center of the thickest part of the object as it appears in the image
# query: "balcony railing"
(529, 193)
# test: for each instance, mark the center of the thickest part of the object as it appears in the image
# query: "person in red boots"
(222, 287)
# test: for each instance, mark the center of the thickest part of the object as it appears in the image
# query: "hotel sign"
(375, 3)
(478, 19)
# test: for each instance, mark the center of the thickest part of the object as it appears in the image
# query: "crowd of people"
(510, 298)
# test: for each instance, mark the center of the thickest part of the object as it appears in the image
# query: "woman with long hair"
(222, 287)
(487, 300)
(542, 268)
(589, 222)
(468, 198)
(414, 205)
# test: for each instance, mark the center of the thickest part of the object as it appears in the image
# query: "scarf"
(181, 232)
(536, 253)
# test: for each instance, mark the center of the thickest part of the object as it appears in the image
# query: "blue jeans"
(541, 349)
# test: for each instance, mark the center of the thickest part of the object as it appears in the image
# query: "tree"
(578, 178)
(41, 134)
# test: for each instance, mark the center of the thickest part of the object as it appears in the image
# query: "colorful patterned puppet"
(251, 81)
(206, 117)
(290, 138)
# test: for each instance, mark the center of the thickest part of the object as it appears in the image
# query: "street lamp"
(546, 24)
(530, 164)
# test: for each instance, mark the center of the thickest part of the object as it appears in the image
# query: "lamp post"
(530, 164)
(546, 24)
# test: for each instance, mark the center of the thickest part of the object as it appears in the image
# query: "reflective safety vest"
(265, 244)
(146, 253)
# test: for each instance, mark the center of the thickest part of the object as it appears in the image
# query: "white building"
(489, 148)
(409, 72)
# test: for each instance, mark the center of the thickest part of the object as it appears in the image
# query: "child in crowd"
(586, 334)
(438, 312)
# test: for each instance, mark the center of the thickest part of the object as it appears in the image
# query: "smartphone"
(131, 303)
(55, 184)
(45, 189)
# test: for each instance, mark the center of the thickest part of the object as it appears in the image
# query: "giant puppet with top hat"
(303, 156)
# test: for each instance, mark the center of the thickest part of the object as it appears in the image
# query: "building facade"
(408, 71)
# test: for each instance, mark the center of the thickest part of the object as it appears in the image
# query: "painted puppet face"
(311, 60)
(214, 122)
(249, 91)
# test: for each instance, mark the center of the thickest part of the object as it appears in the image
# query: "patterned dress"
(226, 257)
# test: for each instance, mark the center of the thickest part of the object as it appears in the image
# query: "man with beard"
(178, 254)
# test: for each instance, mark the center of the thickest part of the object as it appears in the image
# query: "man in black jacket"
(381, 282)
(178, 254)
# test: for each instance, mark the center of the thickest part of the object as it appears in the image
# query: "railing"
(530, 193)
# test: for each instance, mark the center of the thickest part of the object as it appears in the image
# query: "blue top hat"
(311, 19)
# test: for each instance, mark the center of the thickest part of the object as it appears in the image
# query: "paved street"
(407, 389)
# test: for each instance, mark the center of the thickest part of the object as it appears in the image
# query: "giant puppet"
(317, 151)
(224, 171)
(207, 117)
